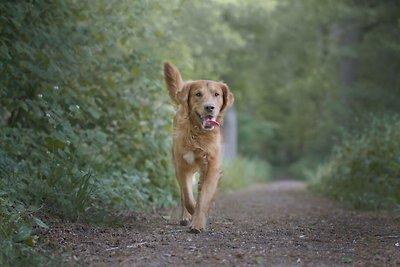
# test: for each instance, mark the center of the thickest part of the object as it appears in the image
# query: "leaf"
(20, 208)
(347, 260)
(101, 137)
(24, 106)
(123, 40)
(37, 70)
(24, 232)
(67, 126)
(94, 113)
(29, 241)
(40, 223)
(4, 53)
(54, 144)
(166, 217)
(135, 71)
(260, 261)
(74, 108)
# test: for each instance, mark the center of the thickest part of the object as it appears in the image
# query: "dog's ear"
(227, 96)
(173, 79)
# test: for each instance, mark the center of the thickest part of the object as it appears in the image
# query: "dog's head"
(205, 102)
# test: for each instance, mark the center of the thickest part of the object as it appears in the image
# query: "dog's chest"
(193, 146)
(189, 157)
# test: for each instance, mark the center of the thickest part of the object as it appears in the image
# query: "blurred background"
(85, 119)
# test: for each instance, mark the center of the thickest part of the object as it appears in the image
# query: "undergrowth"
(365, 170)
(17, 241)
(242, 172)
(84, 129)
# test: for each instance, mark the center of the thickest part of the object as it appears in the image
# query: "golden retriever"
(197, 140)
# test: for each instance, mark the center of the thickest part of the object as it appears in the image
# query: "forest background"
(85, 120)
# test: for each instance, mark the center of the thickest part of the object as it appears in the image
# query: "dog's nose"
(209, 108)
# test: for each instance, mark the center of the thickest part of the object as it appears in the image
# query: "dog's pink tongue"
(210, 122)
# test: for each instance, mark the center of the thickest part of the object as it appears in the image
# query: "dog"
(197, 141)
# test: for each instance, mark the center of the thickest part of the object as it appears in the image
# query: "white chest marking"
(189, 157)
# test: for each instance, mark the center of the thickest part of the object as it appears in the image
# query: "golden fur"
(200, 108)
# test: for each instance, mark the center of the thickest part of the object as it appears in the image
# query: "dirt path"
(278, 224)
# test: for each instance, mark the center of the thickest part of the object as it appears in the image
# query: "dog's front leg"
(185, 180)
(185, 215)
(210, 175)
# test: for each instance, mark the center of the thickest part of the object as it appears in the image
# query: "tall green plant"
(84, 123)
(365, 169)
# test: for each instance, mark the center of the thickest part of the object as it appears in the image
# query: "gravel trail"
(275, 224)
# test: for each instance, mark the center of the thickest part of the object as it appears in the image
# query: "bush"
(303, 169)
(365, 170)
(242, 172)
(77, 117)
(84, 119)
(16, 238)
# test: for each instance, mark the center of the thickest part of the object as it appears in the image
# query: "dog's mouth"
(208, 122)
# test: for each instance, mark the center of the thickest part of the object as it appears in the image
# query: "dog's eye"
(198, 94)
(216, 94)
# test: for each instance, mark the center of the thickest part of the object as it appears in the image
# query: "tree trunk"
(230, 134)
(346, 37)
(349, 39)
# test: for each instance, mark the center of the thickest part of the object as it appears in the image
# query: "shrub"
(84, 124)
(365, 169)
(303, 169)
(16, 238)
(242, 172)
(74, 116)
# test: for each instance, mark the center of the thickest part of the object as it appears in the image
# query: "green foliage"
(242, 172)
(16, 238)
(20, 254)
(283, 69)
(200, 39)
(82, 113)
(365, 169)
(85, 121)
(303, 169)
(84, 118)
(253, 133)
(288, 71)
(62, 189)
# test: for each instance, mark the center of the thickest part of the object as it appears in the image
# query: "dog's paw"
(198, 224)
(195, 230)
(184, 222)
